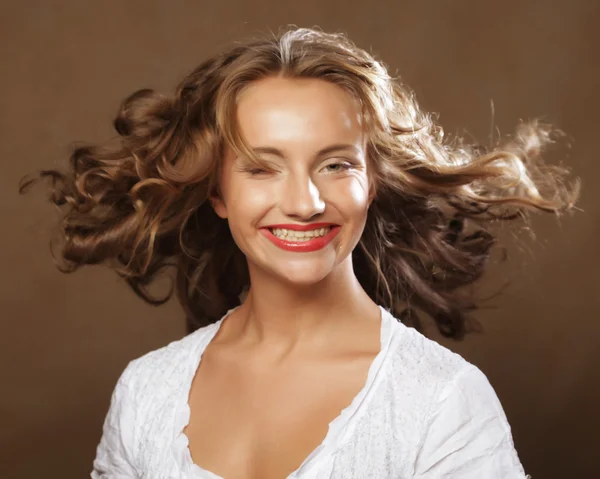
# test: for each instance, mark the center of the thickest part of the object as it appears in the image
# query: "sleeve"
(115, 452)
(468, 435)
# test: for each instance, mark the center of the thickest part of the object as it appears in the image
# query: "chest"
(250, 425)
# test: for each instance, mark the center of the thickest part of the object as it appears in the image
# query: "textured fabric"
(424, 412)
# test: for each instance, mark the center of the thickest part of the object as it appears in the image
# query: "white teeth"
(300, 235)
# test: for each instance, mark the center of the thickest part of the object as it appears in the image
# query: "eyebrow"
(324, 151)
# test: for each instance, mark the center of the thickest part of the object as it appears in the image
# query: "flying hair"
(140, 203)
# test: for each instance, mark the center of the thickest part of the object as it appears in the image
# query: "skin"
(285, 363)
(298, 118)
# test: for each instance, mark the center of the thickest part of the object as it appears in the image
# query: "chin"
(304, 275)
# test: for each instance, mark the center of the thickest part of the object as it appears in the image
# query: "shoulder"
(425, 362)
(141, 403)
(462, 426)
(436, 372)
(164, 365)
(424, 375)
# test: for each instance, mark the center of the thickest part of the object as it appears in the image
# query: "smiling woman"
(310, 211)
(307, 137)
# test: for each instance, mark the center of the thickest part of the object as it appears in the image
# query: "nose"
(301, 198)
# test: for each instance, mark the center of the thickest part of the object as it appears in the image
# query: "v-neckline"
(336, 428)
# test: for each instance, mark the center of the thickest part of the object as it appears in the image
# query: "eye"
(253, 170)
(337, 167)
(256, 171)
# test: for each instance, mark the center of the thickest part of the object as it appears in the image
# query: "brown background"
(66, 66)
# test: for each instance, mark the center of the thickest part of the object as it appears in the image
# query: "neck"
(281, 319)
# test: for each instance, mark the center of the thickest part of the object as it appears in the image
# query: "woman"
(305, 203)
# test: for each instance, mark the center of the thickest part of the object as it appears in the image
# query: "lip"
(314, 244)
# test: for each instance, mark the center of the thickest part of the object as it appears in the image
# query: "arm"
(468, 435)
(114, 455)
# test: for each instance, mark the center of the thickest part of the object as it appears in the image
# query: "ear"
(218, 205)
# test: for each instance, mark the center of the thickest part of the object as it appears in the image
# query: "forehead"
(298, 112)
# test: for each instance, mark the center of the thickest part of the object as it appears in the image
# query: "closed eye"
(253, 170)
(256, 171)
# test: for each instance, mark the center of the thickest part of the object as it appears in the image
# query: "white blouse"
(424, 412)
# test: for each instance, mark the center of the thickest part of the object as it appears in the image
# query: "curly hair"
(140, 202)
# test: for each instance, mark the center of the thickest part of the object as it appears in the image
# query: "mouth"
(305, 238)
(300, 236)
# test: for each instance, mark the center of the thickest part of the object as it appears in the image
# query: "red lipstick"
(313, 244)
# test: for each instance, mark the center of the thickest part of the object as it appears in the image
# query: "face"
(299, 215)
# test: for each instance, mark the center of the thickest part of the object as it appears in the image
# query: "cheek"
(247, 202)
(353, 196)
